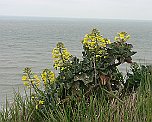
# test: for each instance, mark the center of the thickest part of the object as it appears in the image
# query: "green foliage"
(98, 67)
(138, 76)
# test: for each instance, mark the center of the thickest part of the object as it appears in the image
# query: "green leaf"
(86, 78)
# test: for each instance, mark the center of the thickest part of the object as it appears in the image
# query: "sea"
(28, 42)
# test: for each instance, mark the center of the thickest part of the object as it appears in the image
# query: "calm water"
(27, 42)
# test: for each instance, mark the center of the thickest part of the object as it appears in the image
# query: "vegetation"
(92, 89)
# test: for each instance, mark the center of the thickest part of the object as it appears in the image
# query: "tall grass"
(135, 107)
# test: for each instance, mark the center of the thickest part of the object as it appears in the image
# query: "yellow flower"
(127, 37)
(48, 76)
(55, 50)
(37, 81)
(91, 48)
(60, 63)
(93, 39)
(43, 76)
(26, 83)
(56, 65)
(56, 56)
(85, 39)
(85, 42)
(68, 54)
(92, 44)
(122, 35)
(61, 55)
(24, 78)
(62, 68)
(41, 102)
(116, 38)
(86, 35)
(108, 41)
(36, 106)
(103, 45)
(37, 78)
(51, 77)
(103, 40)
(44, 81)
(99, 38)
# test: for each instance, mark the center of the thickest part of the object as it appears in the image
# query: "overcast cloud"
(106, 9)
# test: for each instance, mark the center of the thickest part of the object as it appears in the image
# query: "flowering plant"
(97, 69)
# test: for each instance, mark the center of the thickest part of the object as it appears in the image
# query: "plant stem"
(95, 71)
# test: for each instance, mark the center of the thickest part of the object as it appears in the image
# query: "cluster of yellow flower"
(48, 76)
(61, 55)
(30, 81)
(95, 40)
(122, 37)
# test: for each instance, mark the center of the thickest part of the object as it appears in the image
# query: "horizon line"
(20, 16)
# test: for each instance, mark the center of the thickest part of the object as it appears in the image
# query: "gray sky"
(106, 9)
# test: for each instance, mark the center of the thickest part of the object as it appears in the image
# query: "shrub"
(77, 78)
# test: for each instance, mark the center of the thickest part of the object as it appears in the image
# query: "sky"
(104, 9)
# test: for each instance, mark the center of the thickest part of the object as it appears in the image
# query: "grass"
(135, 107)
